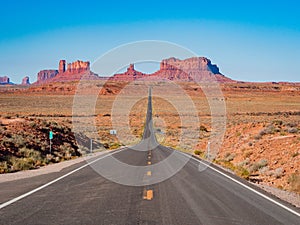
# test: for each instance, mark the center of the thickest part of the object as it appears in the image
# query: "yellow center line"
(148, 194)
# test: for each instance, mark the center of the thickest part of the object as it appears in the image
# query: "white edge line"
(198, 160)
(246, 186)
(53, 181)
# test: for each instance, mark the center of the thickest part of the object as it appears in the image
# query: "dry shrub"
(258, 165)
(294, 181)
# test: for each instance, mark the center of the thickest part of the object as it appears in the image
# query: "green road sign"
(51, 135)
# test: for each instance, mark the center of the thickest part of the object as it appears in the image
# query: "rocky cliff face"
(4, 80)
(25, 81)
(44, 75)
(78, 67)
(196, 68)
(74, 71)
(191, 64)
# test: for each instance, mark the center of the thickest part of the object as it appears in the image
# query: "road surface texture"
(83, 196)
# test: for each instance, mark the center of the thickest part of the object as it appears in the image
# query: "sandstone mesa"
(195, 68)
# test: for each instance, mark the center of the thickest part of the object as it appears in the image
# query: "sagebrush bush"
(18, 164)
(292, 130)
(294, 181)
(30, 153)
(18, 140)
(278, 172)
(258, 165)
(229, 157)
(4, 167)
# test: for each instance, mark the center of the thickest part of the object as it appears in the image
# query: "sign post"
(50, 137)
(208, 150)
(91, 145)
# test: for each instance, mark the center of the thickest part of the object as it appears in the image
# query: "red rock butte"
(196, 68)
(4, 80)
(130, 75)
(74, 71)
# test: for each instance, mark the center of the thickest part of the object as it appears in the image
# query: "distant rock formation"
(76, 67)
(4, 80)
(62, 66)
(74, 71)
(196, 68)
(25, 81)
(130, 75)
(194, 63)
(44, 75)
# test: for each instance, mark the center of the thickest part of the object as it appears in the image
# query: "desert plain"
(261, 139)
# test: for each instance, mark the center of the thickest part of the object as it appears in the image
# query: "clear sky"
(248, 40)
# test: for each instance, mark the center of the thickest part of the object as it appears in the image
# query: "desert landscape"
(261, 142)
(169, 113)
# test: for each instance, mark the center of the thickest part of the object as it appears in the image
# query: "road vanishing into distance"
(79, 194)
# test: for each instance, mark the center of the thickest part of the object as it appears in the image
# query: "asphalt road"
(189, 196)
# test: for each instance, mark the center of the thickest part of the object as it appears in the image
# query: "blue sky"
(248, 40)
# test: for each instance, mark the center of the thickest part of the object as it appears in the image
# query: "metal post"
(208, 149)
(91, 145)
(50, 138)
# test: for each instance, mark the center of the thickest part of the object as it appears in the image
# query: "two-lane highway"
(188, 197)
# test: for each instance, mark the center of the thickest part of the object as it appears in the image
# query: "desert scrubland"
(261, 140)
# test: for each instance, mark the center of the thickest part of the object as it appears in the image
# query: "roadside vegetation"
(25, 144)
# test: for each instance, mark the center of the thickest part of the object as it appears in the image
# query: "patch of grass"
(248, 154)
(238, 170)
(18, 164)
(4, 167)
(278, 122)
(198, 152)
(114, 145)
(258, 165)
(271, 129)
(282, 133)
(238, 134)
(242, 172)
(229, 157)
